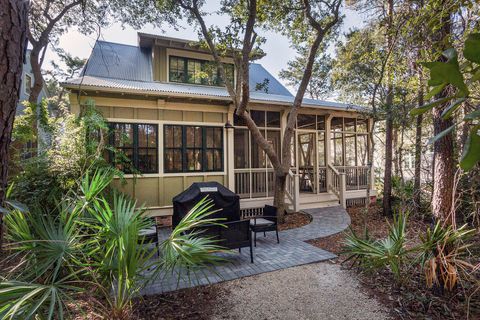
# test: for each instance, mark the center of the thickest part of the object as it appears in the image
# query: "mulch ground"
(295, 220)
(191, 303)
(410, 299)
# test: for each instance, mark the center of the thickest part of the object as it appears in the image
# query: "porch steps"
(310, 201)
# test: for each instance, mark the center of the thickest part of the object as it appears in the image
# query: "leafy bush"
(90, 243)
(376, 254)
(74, 148)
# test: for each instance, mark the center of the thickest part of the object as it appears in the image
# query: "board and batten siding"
(156, 190)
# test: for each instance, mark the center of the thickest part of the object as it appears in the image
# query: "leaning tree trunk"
(37, 75)
(13, 34)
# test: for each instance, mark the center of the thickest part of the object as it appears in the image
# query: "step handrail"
(337, 183)
(292, 189)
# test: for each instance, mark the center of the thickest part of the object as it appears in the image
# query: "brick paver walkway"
(268, 255)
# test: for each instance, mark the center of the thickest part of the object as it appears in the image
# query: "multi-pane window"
(195, 71)
(193, 148)
(349, 141)
(138, 143)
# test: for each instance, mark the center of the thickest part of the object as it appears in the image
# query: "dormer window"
(195, 71)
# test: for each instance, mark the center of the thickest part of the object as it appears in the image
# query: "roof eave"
(196, 96)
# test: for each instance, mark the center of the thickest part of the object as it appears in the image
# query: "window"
(195, 71)
(138, 142)
(193, 148)
(28, 84)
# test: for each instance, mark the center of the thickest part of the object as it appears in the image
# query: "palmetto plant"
(91, 242)
(186, 247)
(441, 255)
(117, 252)
(373, 254)
(49, 270)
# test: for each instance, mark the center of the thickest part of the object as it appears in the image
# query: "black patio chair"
(150, 235)
(265, 223)
(230, 235)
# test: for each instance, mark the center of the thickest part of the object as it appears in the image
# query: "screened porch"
(321, 142)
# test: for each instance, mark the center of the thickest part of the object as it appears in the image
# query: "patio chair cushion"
(260, 222)
(148, 231)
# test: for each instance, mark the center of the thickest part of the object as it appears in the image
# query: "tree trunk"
(387, 178)
(395, 159)
(443, 149)
(417, 192)
(279, 195)
(13, 33)
(37, 74)
(443, 170)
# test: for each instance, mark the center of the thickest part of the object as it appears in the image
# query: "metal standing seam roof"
(125, 68)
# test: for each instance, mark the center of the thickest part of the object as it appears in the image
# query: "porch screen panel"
(321, 149)
(242, 150)
(253, 171)
(350, 150)
(362, 150)
(337, 146)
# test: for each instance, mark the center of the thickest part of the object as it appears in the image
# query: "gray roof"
(119, 61)
(258, 75)
(124, 68)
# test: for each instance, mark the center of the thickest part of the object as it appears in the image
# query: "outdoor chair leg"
(251, 253)
(278, 240)
(255, 238)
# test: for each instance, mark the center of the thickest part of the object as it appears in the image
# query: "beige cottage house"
(172, 116)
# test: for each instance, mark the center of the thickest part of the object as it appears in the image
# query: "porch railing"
(356, 177)
(254, 183)
(337, 184)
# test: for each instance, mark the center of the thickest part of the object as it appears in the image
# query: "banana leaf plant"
(464, 77)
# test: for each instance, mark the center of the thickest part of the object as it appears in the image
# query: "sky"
(277, 47)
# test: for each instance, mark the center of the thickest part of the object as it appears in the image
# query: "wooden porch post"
(328, 150)
(230, 151)
(372, 168)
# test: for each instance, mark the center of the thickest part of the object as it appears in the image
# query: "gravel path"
(315, 291)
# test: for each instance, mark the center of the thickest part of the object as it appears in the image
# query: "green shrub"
(376, 254)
